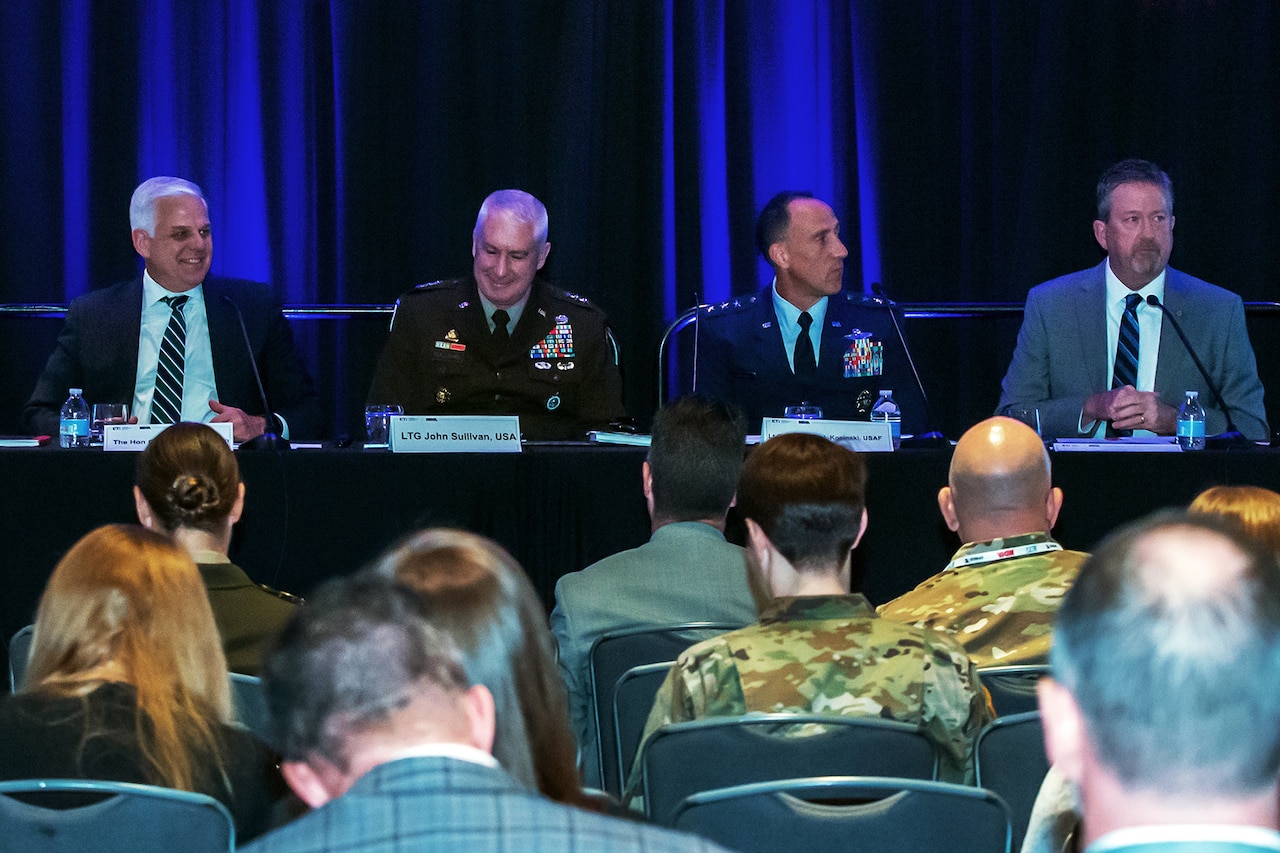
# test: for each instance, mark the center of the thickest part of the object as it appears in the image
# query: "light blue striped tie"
(1126, 372)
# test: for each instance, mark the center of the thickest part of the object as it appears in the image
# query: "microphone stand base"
(266, 441)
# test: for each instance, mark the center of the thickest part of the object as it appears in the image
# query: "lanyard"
(1003, 554)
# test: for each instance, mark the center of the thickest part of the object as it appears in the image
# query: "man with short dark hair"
(803, 339)
(999, 593)
(502, 341)
(170, 344)
(686, 572)
(819, 648)
(383, 736)
(1163, 707)
(1094, 355)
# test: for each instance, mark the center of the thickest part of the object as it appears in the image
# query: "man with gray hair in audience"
(1163, 708)
(382, 735)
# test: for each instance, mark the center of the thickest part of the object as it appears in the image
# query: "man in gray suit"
(1077, 371)
(1163, 707)
(384, 738)
(686, 572)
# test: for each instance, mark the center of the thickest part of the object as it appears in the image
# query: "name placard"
(863, 436)
(455, 434)
(136, 437)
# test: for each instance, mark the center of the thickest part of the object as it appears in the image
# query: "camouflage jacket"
(1001, 611)
(830, 654)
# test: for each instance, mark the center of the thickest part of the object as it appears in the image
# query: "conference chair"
(119, 817)
(676, 355)
(848, 813)
(609, 659)
(250, 705)
(1010, 760)
(1012, 688)
(19, 654)
(632, 701)
(682, 759)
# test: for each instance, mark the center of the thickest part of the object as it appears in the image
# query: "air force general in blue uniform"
(752, 352)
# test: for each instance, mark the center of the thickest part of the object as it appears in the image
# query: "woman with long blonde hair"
(127, 681)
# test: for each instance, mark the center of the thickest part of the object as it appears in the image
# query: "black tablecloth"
(313, 514)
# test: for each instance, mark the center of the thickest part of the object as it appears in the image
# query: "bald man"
(1000, 591)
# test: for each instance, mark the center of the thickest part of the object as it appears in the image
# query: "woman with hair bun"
(187, 485)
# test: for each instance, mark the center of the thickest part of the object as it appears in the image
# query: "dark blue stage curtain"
(346, 145)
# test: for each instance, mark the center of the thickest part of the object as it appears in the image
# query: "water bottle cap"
(76, 392)
(1195, 395)
(886, 393)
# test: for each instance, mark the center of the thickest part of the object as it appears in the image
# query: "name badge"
(455, 434)
(136, 437)
(863, 436)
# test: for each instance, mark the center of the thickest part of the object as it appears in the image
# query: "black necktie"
(166, 402)
(802, 357)
(1126, 372)
(501, 337)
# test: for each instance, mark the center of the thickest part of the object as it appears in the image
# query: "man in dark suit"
(1163, 708)
(113, 340)
(384, 738)
(752, 352)
(502, 341)
(1064, 371)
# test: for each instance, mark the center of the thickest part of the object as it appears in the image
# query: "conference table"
(311, 514)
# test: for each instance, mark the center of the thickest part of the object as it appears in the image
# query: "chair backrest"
(886, 815)
(718, 752)
(19, 654)
(632, 701)
(1010, 760)
(1012, 688)
(122, 817)
(676, 356)
(250, 705)
(611, 656)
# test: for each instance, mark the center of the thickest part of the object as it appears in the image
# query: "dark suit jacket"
(1061, 356)
(440, 360)
(742, 360)
(446, 805)
(97, 350)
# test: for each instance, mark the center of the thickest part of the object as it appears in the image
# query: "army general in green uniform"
(501, 340)
(819, 648)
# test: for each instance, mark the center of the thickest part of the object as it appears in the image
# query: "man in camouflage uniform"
(819, 648)
(502, 341)
(1000, 591)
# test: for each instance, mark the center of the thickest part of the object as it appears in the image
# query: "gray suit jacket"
(1061, 356)
(445, 805)
(686, 572)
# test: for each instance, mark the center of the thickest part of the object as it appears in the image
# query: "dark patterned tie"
(1126, 372)
(166, 403)
(802, 357)
(501, 337)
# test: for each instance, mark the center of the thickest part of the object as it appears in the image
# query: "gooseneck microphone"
(931, 437)
(270, 439)
(1232, 436)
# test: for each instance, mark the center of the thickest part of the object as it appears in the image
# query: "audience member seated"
(187, 485)
(1000, 591)
(388, 741)
(127, 682)
(476, 592)
(1163, 708)
(818, 647)
(1252, 509)
(686, 572)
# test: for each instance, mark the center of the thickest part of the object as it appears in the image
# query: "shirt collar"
(796, 608)
(789, 315)
(458, 751)
(152, 292)
(514, 312)
(1255, 836)
(1117, 290)
(1003, 543)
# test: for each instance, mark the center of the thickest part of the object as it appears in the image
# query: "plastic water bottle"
(1191, 423)
(886, 411)
(73, 421)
